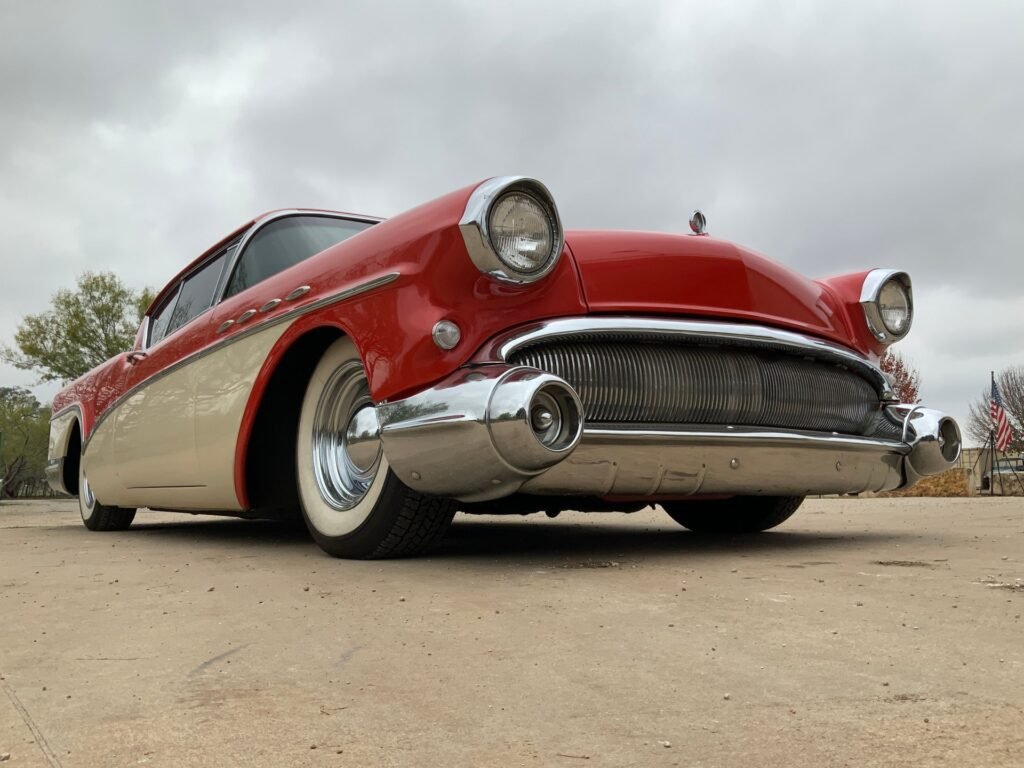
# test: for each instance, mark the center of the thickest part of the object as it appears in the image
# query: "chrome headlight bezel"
(876, 280)
(475, 228)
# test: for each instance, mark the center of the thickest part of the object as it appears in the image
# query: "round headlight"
(522, 232)
(894, 307)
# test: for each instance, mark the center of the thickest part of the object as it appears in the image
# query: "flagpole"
(991, 437)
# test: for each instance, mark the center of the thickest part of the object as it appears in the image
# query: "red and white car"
(469, 354)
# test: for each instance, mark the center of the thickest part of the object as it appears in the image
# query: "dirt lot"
(863, 633)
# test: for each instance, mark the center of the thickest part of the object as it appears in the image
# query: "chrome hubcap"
(87, 494)
(346, 441)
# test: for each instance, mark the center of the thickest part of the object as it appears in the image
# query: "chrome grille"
(665, 383)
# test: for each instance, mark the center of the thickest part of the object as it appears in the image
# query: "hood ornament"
(698, 223)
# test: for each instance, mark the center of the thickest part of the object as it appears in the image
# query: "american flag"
(1003, 432)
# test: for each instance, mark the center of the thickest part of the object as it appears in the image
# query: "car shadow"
(484, 539)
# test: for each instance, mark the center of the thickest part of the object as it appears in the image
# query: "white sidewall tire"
(85, 509)
(325, 519)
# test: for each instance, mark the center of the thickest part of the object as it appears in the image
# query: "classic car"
(374, 376)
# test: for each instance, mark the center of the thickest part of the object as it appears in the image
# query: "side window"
(194, 297)
(160, 319)
(286, 242)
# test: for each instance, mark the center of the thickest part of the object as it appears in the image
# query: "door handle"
(134, 358)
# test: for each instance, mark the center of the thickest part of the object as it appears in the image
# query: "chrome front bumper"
(471, 438)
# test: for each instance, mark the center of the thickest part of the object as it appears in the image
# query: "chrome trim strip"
(298, 311)
(869, 291)
(222, 284)
(66, 409)
(775, 437)
(649, 464)
(474, 227)
(698, 330)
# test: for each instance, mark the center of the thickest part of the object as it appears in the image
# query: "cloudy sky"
(832, 136)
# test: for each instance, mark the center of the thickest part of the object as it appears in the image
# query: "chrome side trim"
(738, 334)
(302, 290)
(270, 321)
(225, 325)
(66, 409)
(475, 228)
(248, 314)
(269, 305)
(869, 291)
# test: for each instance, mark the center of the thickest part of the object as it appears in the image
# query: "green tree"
(24, 433)
(82, 328)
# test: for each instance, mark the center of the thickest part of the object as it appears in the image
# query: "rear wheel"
(97, 516)
(353, 504)
(740, 514)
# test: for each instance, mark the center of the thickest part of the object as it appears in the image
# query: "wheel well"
(72, 459)
(270, 478)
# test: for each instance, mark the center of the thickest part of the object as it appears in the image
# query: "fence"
(36, 488)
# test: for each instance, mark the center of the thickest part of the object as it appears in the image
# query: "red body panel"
(651, 273)
(601, 272)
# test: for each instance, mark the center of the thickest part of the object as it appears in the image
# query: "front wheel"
(97, 516)
(740, 514)
(353, 504)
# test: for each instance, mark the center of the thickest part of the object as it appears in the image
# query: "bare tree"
(1011, 387)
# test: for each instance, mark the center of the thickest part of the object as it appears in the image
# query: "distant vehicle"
(1005, 469)
(376, 375)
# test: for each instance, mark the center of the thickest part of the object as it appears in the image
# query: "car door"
(248, 322)
(154, 435)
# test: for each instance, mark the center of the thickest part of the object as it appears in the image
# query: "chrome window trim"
(181, 282)
(503, 346)
(872, 286)
(474, 227)
(271, 320)
(144, 328)
(262, 222)
(149, 326)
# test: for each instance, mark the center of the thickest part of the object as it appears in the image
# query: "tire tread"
(422, 521)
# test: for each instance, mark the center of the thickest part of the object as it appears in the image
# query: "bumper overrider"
(494, 429)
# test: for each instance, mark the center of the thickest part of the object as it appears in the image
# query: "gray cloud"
(832, 137)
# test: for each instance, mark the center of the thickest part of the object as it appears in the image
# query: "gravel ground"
(862, 633)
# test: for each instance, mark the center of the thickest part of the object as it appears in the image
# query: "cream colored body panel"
(224, 382)
(171, 443)
(154, 438)
(60, 434)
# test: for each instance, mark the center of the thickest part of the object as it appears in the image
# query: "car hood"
(654, 273)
